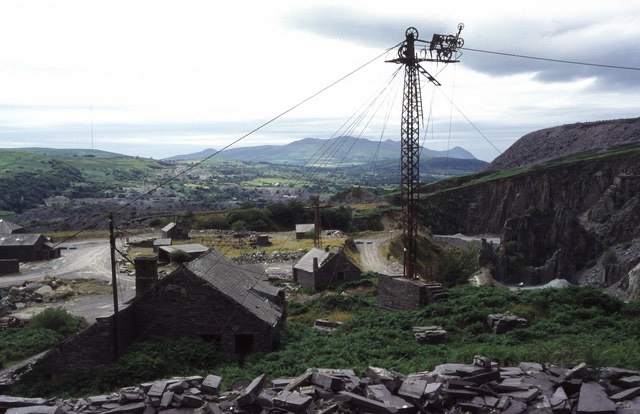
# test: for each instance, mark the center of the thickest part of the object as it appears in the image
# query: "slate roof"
(236, 283)
(187, 248)
(20, 239)
(169, 226)
(306, 262)
(7, 227)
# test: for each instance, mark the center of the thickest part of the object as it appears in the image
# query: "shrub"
(57, 320)
(455, 266)
(179, 256)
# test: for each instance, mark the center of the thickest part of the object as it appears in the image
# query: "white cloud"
(200, 73)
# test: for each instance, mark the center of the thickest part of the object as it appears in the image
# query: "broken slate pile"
(480, 387)
(273, 257)
(47, 290)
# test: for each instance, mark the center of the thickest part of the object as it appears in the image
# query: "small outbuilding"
(320, 268)
(303, 229)
(175, 231)
(27, 247)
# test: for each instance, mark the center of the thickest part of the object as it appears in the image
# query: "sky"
(162, 78)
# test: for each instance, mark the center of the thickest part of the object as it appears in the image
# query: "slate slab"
(593, 400)
(515, 407)
(367, 404)
(629, 382)
(327, 381)
(132, 408)
(211, 384)
(412, 388)
(625, 395)
(380, 393)
(8, 401)
(250, 393)
(292, 401)
(559, 401)
(157, 388)
(524, 396)
(33, 409)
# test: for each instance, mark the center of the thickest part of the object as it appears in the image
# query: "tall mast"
(442, 48)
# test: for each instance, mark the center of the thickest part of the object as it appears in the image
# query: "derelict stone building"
(320, 268)
(211, 297)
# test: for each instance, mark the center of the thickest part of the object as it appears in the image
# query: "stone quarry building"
(210, 298)
(320, 268)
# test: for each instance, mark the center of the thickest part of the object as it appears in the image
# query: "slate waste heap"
(480, 387)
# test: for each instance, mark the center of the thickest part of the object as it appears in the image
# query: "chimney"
(146, 272)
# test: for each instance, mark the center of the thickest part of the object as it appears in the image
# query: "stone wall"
(185, 305)
(90, 348)
(399, 293)
(8, 266)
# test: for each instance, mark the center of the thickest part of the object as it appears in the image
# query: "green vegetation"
(179, 256)
(44, 331)
(576, 324)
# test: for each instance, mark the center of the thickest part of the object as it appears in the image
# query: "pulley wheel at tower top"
(413, 31)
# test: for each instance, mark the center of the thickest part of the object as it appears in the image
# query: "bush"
(179, 256)
(57, 320)
(455, 266)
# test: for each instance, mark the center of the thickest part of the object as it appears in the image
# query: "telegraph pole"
(114, 286)
(315, 203)
(442, 48)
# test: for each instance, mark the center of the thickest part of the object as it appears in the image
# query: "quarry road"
(85, 259)
(82, 259)
(373, 257)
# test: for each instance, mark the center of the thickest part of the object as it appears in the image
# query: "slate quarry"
(480, 387)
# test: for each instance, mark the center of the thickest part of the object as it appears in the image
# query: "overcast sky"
(158, 78)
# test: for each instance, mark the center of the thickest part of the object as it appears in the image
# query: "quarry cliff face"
(555, 220)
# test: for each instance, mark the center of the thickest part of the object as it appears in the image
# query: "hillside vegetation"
(572, 325)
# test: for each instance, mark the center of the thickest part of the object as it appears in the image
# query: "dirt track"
(90, 259)
(373, 257)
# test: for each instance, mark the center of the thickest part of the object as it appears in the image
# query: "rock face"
(449, 388)
(554, 219)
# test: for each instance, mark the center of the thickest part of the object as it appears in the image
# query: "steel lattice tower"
(441, 49)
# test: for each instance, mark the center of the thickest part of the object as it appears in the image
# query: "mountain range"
(344, 150)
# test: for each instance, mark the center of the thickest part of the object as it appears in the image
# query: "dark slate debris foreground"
(478, 388)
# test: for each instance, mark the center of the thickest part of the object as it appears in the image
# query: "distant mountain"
(65, 152)
(340, 150)
(195, 156)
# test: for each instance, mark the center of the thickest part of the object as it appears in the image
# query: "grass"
(572, 325)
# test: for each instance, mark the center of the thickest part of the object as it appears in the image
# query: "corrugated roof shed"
(236, 283)
(24, 239)
(7, 227)
(306, 262)
(303, 228)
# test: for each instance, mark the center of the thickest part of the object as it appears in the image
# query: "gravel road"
(89, 259)
(373, 258)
